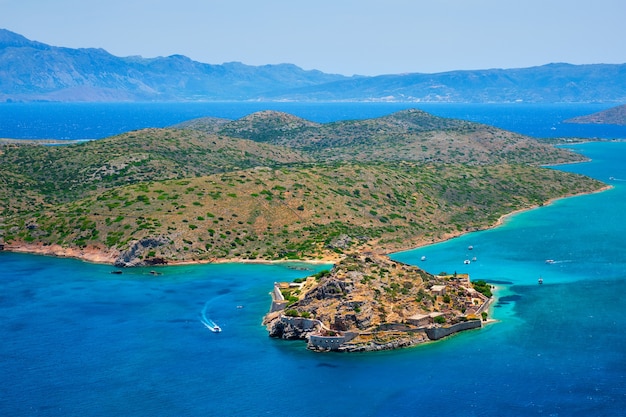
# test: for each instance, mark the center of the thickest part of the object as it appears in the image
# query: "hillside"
(296, 213)
(34, 71)
(612, 116)
(64, 173)
(172, 195)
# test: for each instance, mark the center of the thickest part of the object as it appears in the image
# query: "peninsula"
(611, 116)
(271, 186)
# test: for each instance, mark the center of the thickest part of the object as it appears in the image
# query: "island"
(369, 302)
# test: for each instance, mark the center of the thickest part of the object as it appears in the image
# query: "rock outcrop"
(135, 254)
(292, 328)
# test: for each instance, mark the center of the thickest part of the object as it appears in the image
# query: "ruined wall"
(435, 333)
(325, 342)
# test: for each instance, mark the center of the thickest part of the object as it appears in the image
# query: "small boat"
(470, 247)
(466, 262)
(540, 281)
(549, 261)
(474, 259)
(212, 326)
(423, 258)
(116, 272)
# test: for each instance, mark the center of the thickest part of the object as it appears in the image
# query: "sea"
(76, 340)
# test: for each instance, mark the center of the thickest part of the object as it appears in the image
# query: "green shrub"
(482, 287)
(321, 274)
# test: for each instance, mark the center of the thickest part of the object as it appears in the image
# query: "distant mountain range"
(34, 71)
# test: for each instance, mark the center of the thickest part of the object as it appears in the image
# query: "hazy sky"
(368, 37)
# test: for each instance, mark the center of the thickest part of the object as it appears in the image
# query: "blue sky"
(368, 37)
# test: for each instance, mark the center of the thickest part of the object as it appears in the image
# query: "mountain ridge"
(34, 71)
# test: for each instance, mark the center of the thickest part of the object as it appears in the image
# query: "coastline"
(99, 255)
(499, 222)
(503, 218)
(96, 255)
(88, 254)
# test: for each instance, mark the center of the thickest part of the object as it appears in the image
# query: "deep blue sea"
(76, 340)
(99, 120)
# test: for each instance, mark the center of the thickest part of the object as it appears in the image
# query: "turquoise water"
(77, 340)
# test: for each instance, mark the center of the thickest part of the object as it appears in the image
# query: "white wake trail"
(209, 324)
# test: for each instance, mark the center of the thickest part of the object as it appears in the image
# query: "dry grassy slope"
(299, 212)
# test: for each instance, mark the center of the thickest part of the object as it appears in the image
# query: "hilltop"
(408, 135)
(34, 71)
(271, 186)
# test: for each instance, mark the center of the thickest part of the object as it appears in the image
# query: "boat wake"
(552, 261)
(208, 323)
